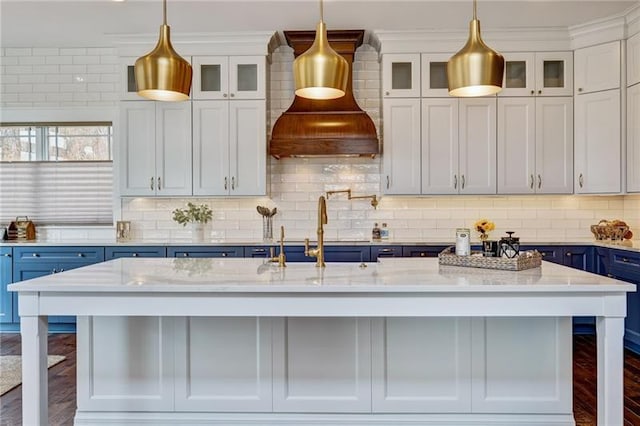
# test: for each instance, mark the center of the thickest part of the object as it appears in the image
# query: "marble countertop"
(252, 275)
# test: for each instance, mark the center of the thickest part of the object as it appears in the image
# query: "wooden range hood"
(336, 127)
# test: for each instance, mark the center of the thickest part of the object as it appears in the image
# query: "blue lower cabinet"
(602, 261)
(33, 262)
(625, 266)
(385, 251)
(6, 278)
(134, 251)
(261, 251)
(205, 251)
(549, 253)
(331, 254)
(422, 251)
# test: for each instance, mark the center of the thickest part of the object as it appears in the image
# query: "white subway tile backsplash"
(31, 60)
(17, 51)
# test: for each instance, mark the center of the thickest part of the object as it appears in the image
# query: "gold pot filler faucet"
(318, 252)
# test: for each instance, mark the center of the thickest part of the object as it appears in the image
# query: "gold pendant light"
(476, 70)
(320, 72)
(162, 74)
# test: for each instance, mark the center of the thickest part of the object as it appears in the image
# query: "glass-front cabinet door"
(434, 75)
(554, 73)
(210, 77)
(518, 75)
(229, 77)
(401, 75)
(247, 77)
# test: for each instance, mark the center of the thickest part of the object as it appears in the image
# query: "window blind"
(57, 193)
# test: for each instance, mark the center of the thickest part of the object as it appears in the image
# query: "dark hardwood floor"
(62, 384)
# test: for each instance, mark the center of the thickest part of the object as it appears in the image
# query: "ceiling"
(53, 23)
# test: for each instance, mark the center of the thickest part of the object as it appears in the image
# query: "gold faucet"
(318, 252)
(374, 199)
(280, 258)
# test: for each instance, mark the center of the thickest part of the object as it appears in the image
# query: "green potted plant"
(196, 215)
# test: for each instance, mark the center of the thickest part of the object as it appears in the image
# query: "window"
(56, 173)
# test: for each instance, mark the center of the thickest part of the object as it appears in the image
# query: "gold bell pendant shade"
(320, 72)
(476, 70)
(162, 74)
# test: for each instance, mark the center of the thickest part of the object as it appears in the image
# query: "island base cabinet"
(223, 364)
(322, 365)
(521, 365)
(125, 364)
(330, 371)
(421, 365)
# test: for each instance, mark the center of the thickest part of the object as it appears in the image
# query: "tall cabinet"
(633, 112)
(401, 130)
(598, 119)
(211, 145)
(434, 144)
(535, 124)
(229, 126)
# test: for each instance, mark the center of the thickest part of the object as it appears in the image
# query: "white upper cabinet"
(434, 74)
(229, 77)
(229, 148)
(633, 138)
(477, 139)
(633, 60)
(597, 68)
(597, 143)
(535, 145)
(401, 154)
(440, 146)
(459, 146)
(401, 75)
(538, 74)
(155, 148)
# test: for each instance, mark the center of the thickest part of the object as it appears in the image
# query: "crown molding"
(598, 31)
(633, 20)
(222, 43)
(444, 41)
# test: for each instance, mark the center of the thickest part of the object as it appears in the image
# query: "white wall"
(88, 77)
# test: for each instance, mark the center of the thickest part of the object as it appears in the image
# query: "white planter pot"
(197, 232)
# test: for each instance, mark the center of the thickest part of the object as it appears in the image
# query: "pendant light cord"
(164, 12)
(475, 17)
(321, 12)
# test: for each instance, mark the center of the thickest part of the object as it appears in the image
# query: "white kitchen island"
(403, 341)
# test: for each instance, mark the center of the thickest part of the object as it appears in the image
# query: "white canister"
(463, 244)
